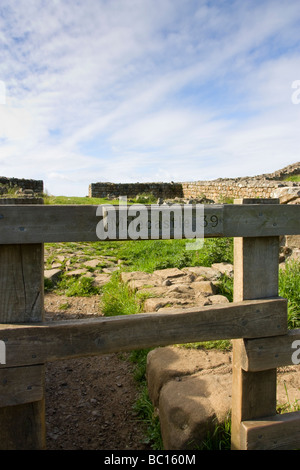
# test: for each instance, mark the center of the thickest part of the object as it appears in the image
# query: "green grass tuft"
(118, 299)
(289, 288)
(77, 287)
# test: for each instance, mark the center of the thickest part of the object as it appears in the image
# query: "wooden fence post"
(22, 418)
(255, 277)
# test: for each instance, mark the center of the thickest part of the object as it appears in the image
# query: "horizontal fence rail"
(46, 223)
(267, 353)
(279, 432)
(45, 342)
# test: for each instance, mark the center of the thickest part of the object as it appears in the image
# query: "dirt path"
(89, 401)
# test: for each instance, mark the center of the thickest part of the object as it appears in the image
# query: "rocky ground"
(89, 401)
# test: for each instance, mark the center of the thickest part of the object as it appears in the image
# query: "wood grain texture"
(22, 300)
(70, 223)
(23, 426)
(255, 276)
(267, 353)
(279, 432)
(21, 283)
(20, 385)
(45, 342)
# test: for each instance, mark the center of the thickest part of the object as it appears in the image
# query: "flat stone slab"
(101, 279)
(52, 274)
(169, 273)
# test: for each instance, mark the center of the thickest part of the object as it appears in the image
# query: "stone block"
(191, 408)
(191, 390)
(204, 287)
(52, 274)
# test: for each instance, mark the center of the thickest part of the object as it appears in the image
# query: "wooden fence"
(256, 320)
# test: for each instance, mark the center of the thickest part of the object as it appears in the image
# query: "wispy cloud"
(131, 90)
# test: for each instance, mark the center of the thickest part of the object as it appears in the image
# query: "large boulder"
(287, 195)
(191, 390)
(191, 408)
(172, 362)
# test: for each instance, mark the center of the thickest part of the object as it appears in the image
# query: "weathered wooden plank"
(22, 300)
(279, 432)
(267, 353)
(23, 426)
(69, 223)
(255, 276)
(261, 220)
(46, 342)
(21, 283)
(20, 385)
(261, 280)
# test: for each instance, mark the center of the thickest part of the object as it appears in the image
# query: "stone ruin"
(219, 190)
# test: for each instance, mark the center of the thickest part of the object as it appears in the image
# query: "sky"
(147, 90)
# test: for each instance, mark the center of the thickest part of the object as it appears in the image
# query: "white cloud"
(125, 91)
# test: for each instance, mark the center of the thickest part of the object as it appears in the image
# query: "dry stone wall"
(219, 190)
(37, 186)
(131, 190)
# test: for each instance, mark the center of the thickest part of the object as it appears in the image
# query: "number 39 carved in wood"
(211, 220)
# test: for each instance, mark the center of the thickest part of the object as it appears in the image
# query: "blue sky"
(147, 90)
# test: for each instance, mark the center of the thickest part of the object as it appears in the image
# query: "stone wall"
(131, 190)
(37, 186)
(262, 186)
(219, 191)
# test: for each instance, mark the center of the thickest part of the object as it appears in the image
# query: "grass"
(219, 439)
(8, 191)
(77, 287)
(149, 255)
(289, 288)
(118, 299)
(65, 200)
(288, 407)
(143, 405)
(294, 178)
(56, 200)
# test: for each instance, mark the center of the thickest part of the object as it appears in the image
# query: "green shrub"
(289, 288)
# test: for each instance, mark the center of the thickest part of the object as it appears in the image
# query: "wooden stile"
(256, 320)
